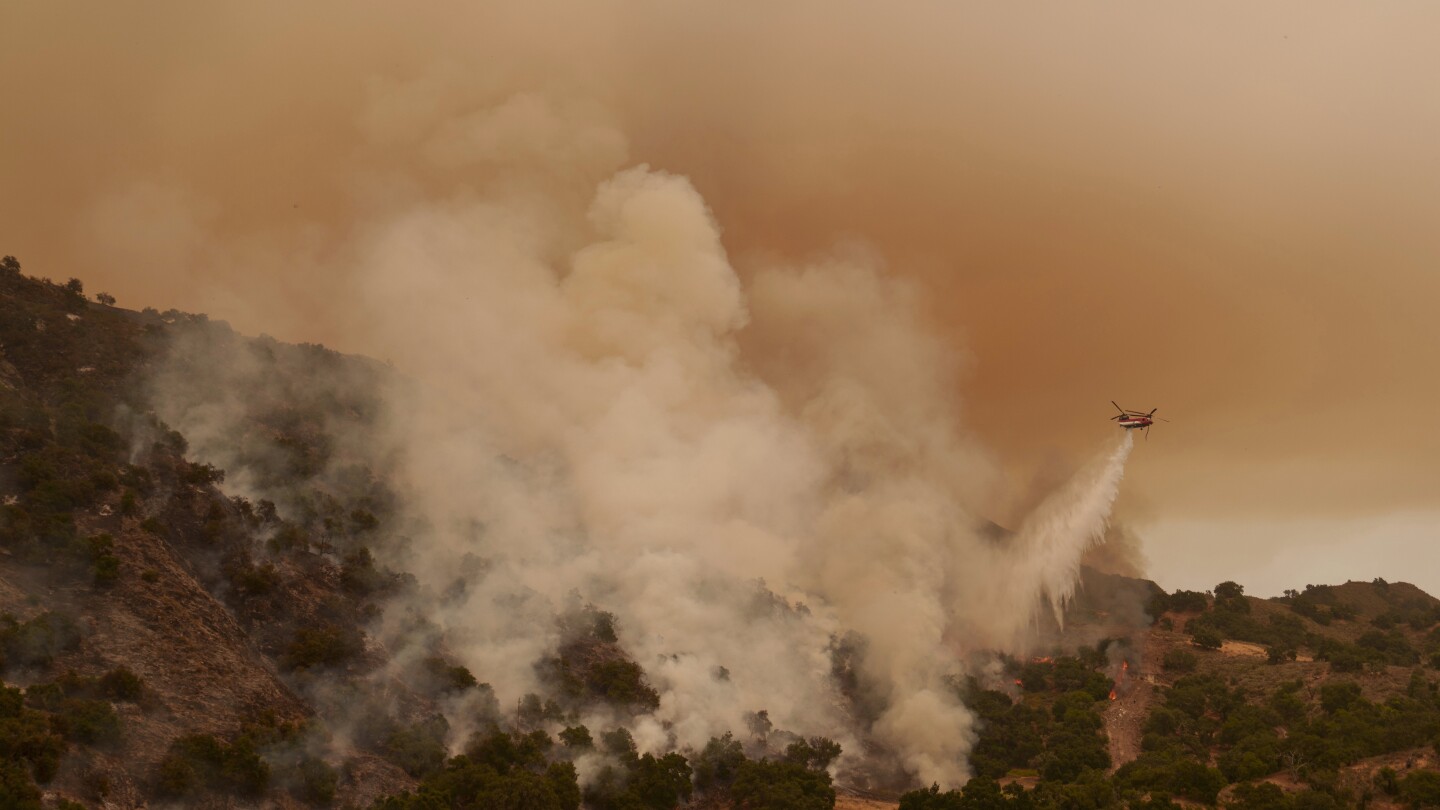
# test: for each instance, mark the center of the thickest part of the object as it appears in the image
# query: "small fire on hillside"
(1039, 659)
(1120, 679)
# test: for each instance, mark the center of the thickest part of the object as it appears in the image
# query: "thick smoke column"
(743, 472)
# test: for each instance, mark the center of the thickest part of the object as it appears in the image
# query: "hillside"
(207, 599)
(168, 639)
(1323, 698)
(122, 562)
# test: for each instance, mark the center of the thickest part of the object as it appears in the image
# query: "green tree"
(932, 799)
(717, 764)
(1229, 590)
(17, 792)
(1188, 602)
(316, 780)
(771, 785)
(1340, 696)
(1206, 638)
(1421, 789)
(1178, 660)
(1261, 796)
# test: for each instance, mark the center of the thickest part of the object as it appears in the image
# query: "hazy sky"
(1227, 210)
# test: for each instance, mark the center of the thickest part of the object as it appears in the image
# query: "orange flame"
(1124, 667)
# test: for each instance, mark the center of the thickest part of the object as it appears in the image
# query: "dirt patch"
(1243, 648)
(843, 802)
(1125, 720)
(1025, 782)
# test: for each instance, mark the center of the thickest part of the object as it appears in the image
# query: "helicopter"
(1130, 420)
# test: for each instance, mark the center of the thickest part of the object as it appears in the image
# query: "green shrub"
(1261, 796)
(27, 738)
(1279, 655)
(1340, 696)
(718, 763)
(1392, 646)
(498, 770)
(418, 749)
(105, 564)
(288, 537)
(441, 676)
(1175, 775)
(532, 711)
(176, 776)
(358, 573)
(121, 684)
(1179, 661)
(325, 645)
(38, 641)
(317, 781)
(93, 722)
(17, 791)
(1206, 639)
(641, 782)
(363, 521)
(465, 784)
(623, 682)
(765, 783)
(1188, 602)
(577, 738)
(1421, 788)
(254, 580)
(933, 799)
(201, 761)
(202, 474)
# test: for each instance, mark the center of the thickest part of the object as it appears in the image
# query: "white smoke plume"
(604, 407)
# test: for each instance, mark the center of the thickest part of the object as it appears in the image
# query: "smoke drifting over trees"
(584, 420)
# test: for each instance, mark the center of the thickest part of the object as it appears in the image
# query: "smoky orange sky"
(1227, 210)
